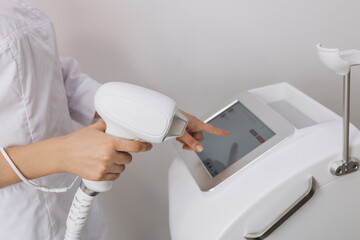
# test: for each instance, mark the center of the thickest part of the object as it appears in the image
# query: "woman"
(40, 94)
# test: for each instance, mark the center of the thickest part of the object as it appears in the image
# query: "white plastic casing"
(261, 191)
(134, 112)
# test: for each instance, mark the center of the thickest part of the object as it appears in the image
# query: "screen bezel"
(281, 127)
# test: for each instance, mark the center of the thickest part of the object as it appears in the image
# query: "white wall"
(199, 52)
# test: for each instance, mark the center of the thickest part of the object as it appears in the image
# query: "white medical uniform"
(39, 95)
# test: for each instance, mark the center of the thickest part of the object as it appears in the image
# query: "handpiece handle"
(92, 188)
(82, 202)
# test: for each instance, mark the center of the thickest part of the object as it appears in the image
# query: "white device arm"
(130, 112)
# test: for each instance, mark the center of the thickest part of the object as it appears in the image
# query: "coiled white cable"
(32, 183)
(78, 213)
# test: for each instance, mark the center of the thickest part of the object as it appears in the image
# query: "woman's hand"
(94, 155)
(192, 137)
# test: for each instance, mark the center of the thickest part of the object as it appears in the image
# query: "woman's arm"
(88, 153)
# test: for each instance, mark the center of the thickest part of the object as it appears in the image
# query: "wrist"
(45, 156)
(60, 159)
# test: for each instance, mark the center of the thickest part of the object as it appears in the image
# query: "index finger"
(214, 130)
(124, 145)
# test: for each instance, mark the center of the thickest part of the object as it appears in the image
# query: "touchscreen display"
(247, 133)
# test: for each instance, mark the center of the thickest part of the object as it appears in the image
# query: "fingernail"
(150, 146)
(199, 148)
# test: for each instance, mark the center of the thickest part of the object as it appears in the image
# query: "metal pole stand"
(341, 63)
(347, 164)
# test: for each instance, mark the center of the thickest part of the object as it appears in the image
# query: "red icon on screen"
(260, 139)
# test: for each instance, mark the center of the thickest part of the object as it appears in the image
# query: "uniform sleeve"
(80, 90)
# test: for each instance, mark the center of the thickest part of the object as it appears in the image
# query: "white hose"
(79, 210)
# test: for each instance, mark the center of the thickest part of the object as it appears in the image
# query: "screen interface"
(247, 133)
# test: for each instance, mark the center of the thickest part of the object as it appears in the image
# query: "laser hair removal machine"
(130, 112)
(289, 169)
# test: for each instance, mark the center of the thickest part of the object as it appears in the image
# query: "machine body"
(130, 112)
(288, 192)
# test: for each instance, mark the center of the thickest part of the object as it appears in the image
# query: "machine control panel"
(247, 133)
(255, 129)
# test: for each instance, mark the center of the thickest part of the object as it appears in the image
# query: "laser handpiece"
(130, 112)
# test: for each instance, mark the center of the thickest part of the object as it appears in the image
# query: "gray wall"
(199, 52)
